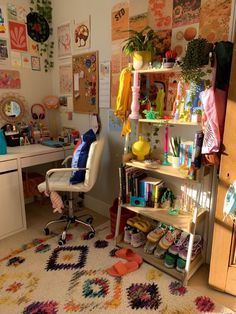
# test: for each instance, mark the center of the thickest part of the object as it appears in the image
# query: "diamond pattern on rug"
(49, 307)
(60, 255)
(144, 296)
(17, 288)
(93, 289)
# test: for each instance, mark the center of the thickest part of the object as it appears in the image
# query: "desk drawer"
(42, 158)
(8, 165)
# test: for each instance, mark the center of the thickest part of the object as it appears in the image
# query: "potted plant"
(197, 55)
(141, 46)
(175, 147)
(197, 115)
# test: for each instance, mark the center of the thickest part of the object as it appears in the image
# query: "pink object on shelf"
(166, 140)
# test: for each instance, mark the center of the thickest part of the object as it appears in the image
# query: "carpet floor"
(42, 277)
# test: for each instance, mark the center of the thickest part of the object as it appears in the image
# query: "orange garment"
(123, 100)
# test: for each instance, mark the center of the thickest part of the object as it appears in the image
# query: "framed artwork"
(18, 37)
(82, 34)
(4, 53)
(66, 81)
(10, 79)
(3, 21)
(35, 63)
(64, 40)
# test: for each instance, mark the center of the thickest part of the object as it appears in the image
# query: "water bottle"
(3, 144)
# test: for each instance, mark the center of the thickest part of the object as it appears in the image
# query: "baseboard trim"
(98, 206)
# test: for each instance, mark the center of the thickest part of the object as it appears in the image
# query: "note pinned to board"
(105, 84)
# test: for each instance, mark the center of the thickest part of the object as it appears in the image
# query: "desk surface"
(32, 150)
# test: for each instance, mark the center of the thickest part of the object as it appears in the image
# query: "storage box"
(12, 138)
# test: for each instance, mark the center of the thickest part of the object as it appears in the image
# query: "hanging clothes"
(123, 100)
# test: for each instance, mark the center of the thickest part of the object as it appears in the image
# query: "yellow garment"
(123, 100)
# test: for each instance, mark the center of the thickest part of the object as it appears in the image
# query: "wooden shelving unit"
(159, 263)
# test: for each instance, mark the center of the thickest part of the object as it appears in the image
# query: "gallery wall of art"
(21, 67)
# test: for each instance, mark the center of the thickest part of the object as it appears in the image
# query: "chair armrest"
(65, 161)
(51, 171)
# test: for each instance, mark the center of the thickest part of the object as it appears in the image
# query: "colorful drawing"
(10, 79)
(3, 51)
(18, 39)
(160, 14)
(66, 80)
(82, 34)
(3, 21)
(64, 40)
(26, 60)
(120, 20)
(15, 59)
(138, 22)
(214, 20)
(11, 11)
(163, 42)
(33, 47)
(182, 35)
(185, 12)
(35, 63)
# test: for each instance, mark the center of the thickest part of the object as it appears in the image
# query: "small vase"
(175, 162)
(141, 148)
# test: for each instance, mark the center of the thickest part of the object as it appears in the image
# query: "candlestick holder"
(165, 161)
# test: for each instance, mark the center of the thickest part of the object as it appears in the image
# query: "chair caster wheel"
(46, 231)
(90, 235)
(61, 242)
(89, 220)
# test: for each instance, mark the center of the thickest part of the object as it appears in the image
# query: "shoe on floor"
(129, 255)
(121, 269)
(127, 234)
(149, 247)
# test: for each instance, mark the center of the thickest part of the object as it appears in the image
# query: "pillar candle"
(166, 139)
(135, 79)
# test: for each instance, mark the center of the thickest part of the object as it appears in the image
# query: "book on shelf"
(186, 152)
(150, 189)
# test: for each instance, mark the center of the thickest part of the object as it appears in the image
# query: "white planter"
(175, 162)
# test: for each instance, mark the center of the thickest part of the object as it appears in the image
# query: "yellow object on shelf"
(141, 148)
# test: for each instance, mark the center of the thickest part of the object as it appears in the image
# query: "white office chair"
(59, 180)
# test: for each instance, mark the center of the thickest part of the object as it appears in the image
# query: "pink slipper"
(121, 269)
(129, 255)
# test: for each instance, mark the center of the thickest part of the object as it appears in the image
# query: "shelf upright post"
(166, 149)
(135, 97)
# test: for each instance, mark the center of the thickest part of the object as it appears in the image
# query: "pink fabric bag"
(211, 141)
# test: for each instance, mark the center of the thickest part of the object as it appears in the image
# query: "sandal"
(129, 255)
(121, 269)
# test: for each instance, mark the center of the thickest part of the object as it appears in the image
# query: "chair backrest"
(93, 162)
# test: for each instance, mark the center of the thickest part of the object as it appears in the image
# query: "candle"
(166, 139)
(135, 79)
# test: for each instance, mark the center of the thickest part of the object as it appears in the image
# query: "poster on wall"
(185, 12)
(65, 77)
(35, 63)
(85, 82)
(26, 60)
(120, 20)
(64, 40)
(33, 47)
(4, 54)
(82, 34)
(16, 59)
(160, 16)
(10, 79)
(104, 84)
(18, 37)
(3, 21)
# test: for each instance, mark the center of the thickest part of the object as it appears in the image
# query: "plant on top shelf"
(175, 145)
(140, 44)
(197, 55)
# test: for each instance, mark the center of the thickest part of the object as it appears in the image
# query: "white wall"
(107, 187)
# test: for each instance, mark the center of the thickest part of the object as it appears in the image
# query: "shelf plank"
(160, 70)
(181, 221)
(171, 121)
(158, 168)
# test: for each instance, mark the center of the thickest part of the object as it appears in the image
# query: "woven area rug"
(42, 277)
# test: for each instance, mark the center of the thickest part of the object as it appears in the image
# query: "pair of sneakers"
(166, 241)
(134, 236)
(154, 236)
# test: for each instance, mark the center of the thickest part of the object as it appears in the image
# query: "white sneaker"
(127, 234)
(138, 238)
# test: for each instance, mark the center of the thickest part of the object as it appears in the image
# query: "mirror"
(12, 107)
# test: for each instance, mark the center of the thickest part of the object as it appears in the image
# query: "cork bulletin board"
(85, 82)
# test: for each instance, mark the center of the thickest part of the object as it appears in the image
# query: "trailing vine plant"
(46, 48)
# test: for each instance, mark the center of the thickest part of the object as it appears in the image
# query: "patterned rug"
(42, 277)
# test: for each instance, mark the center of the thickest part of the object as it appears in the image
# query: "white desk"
(12, 205)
